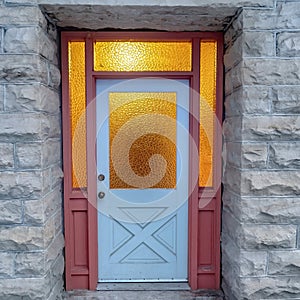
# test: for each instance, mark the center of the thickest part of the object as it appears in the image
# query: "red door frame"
(81, 248)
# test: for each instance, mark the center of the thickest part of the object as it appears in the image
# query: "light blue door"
(142, 219)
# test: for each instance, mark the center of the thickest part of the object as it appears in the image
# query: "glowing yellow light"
(77, 108)
(208, 63)
(134, 108)
(142, 56)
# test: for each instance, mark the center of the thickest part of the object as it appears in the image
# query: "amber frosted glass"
(208, 62)
(142, 56)
(77, 108)
(130, 108)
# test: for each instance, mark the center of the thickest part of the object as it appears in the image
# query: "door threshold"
(143, 286)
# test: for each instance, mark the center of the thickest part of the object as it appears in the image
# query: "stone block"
(33, 97)
(49, 232)
(20, 185)
(280, 287)
(1, 91)
(54, 250)
(231, 252)
(25, 288)
(1, 37)
(234, 54)
(20, 2)
(29, 155)
(223, 4)
(232, 154)
(280, 210)
(7, 156)
(53, 203)
(51, 152)
(24, 15)
(268, 236)
(163, 16)
(284, 263)
(266, 128)
(56, 175)
(286, 99)
(23, 69)
(233, 78)
(30, 264)
(288, 44)
(232, 179)
(286, 16)
(232, 203)
(258, 44)
(28, 127)
(284, 155)
(253, 263)
(21, 238)
(57, 269)
(264, 71)
(51, 125)
(6, 265)
(244, 155)
(30, 40)
(229, 289)
(254, 155)
(34, 212)
(57, 292)
(233, 31)
(54, 74)
(229, 285)
(231, 227)
(38, 155)
(47, 180)
(248, 100)
(232, 128)
(270, 183)
(11, 212)
(22, 126)
(58, 221)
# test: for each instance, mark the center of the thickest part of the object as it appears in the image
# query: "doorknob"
(101, 177)
(101, 195)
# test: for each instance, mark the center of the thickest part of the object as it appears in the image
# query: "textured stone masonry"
(31, 241)
(261, 199)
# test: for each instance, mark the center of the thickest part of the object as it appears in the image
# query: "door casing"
(203, 267)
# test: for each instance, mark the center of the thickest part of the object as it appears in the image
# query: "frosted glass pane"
(143, 56)
(208, 63)
(77, 108)
(142, 125)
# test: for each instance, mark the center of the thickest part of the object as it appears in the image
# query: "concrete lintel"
(169, 18)
(196, 3)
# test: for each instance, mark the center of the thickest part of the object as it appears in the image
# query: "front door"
(142, 165)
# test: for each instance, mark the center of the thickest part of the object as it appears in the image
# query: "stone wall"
(31, 240)
(261, 216)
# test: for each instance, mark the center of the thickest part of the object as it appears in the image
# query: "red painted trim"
(81, 276)
(117, 75)
(218, 157)
(66, 156)
(142, 35)
(209, 275)
(91, 167)
(193, 166)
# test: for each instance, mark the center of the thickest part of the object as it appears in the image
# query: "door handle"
(101, 177)
(101, 195)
